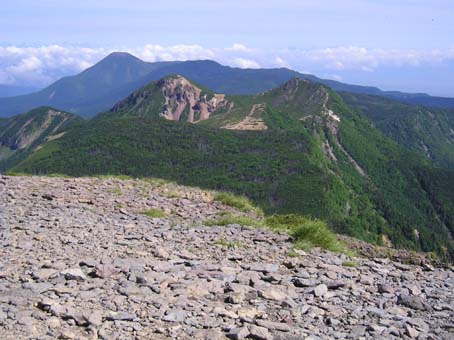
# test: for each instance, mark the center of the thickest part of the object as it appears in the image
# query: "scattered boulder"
(74, 274)
(411, 301)
(320, 290)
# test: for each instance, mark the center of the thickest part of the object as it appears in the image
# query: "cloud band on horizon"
(39, 66)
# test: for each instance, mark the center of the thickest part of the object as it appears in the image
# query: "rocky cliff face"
(80, 261)
(174, 98)
(187, 102)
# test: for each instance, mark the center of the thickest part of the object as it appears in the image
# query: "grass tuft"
(350, 264)
(307, 232)
(240, 202)
(157, 182)
(121, 177)
(227, 218)
(173, 194)
(154, 213)
(115, 191)
(230, 245)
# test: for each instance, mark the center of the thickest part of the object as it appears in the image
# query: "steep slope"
(312, 155)
(174, 98)
(428, 131)
(22, 134)
(3, 123)
(98, 88)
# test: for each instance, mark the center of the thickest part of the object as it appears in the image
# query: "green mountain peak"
(174, 98)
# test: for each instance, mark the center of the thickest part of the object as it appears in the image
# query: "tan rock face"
(25, 137)
(181, 96)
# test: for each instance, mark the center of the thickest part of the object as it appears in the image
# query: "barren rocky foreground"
(80, 261)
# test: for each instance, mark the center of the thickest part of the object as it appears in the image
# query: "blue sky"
(397, 45)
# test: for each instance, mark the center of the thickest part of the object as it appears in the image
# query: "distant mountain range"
(298, 148)
(99, 87)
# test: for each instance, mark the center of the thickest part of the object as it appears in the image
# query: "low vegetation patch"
(229, 218)
(173, 194)
(228, 244)
(154, 213)
(307, 232)
(350, 264)
(157, 182)
(22, 174)
(122, 177)
(115, 191)
(292, 253)
(240, 202)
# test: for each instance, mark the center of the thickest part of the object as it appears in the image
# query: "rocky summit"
(92, 258)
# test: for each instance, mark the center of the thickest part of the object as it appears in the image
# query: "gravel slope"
(79, 261)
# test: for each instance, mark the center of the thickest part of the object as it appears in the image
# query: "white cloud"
(281, 62)
(360, 58)
(333, 76)
(239, 48)
(28, 64)
(39, 66)
(245, 63)
(168, 53)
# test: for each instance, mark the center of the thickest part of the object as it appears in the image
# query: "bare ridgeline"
(80, 261)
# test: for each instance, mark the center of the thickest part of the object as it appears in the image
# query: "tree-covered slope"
(295, 149)
(427, 131)
(22, 134)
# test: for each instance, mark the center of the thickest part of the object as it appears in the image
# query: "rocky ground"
(79, 261)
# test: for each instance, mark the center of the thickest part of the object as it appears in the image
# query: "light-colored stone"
(320, 290)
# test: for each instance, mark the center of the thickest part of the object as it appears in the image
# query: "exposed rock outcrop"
(185, 101)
